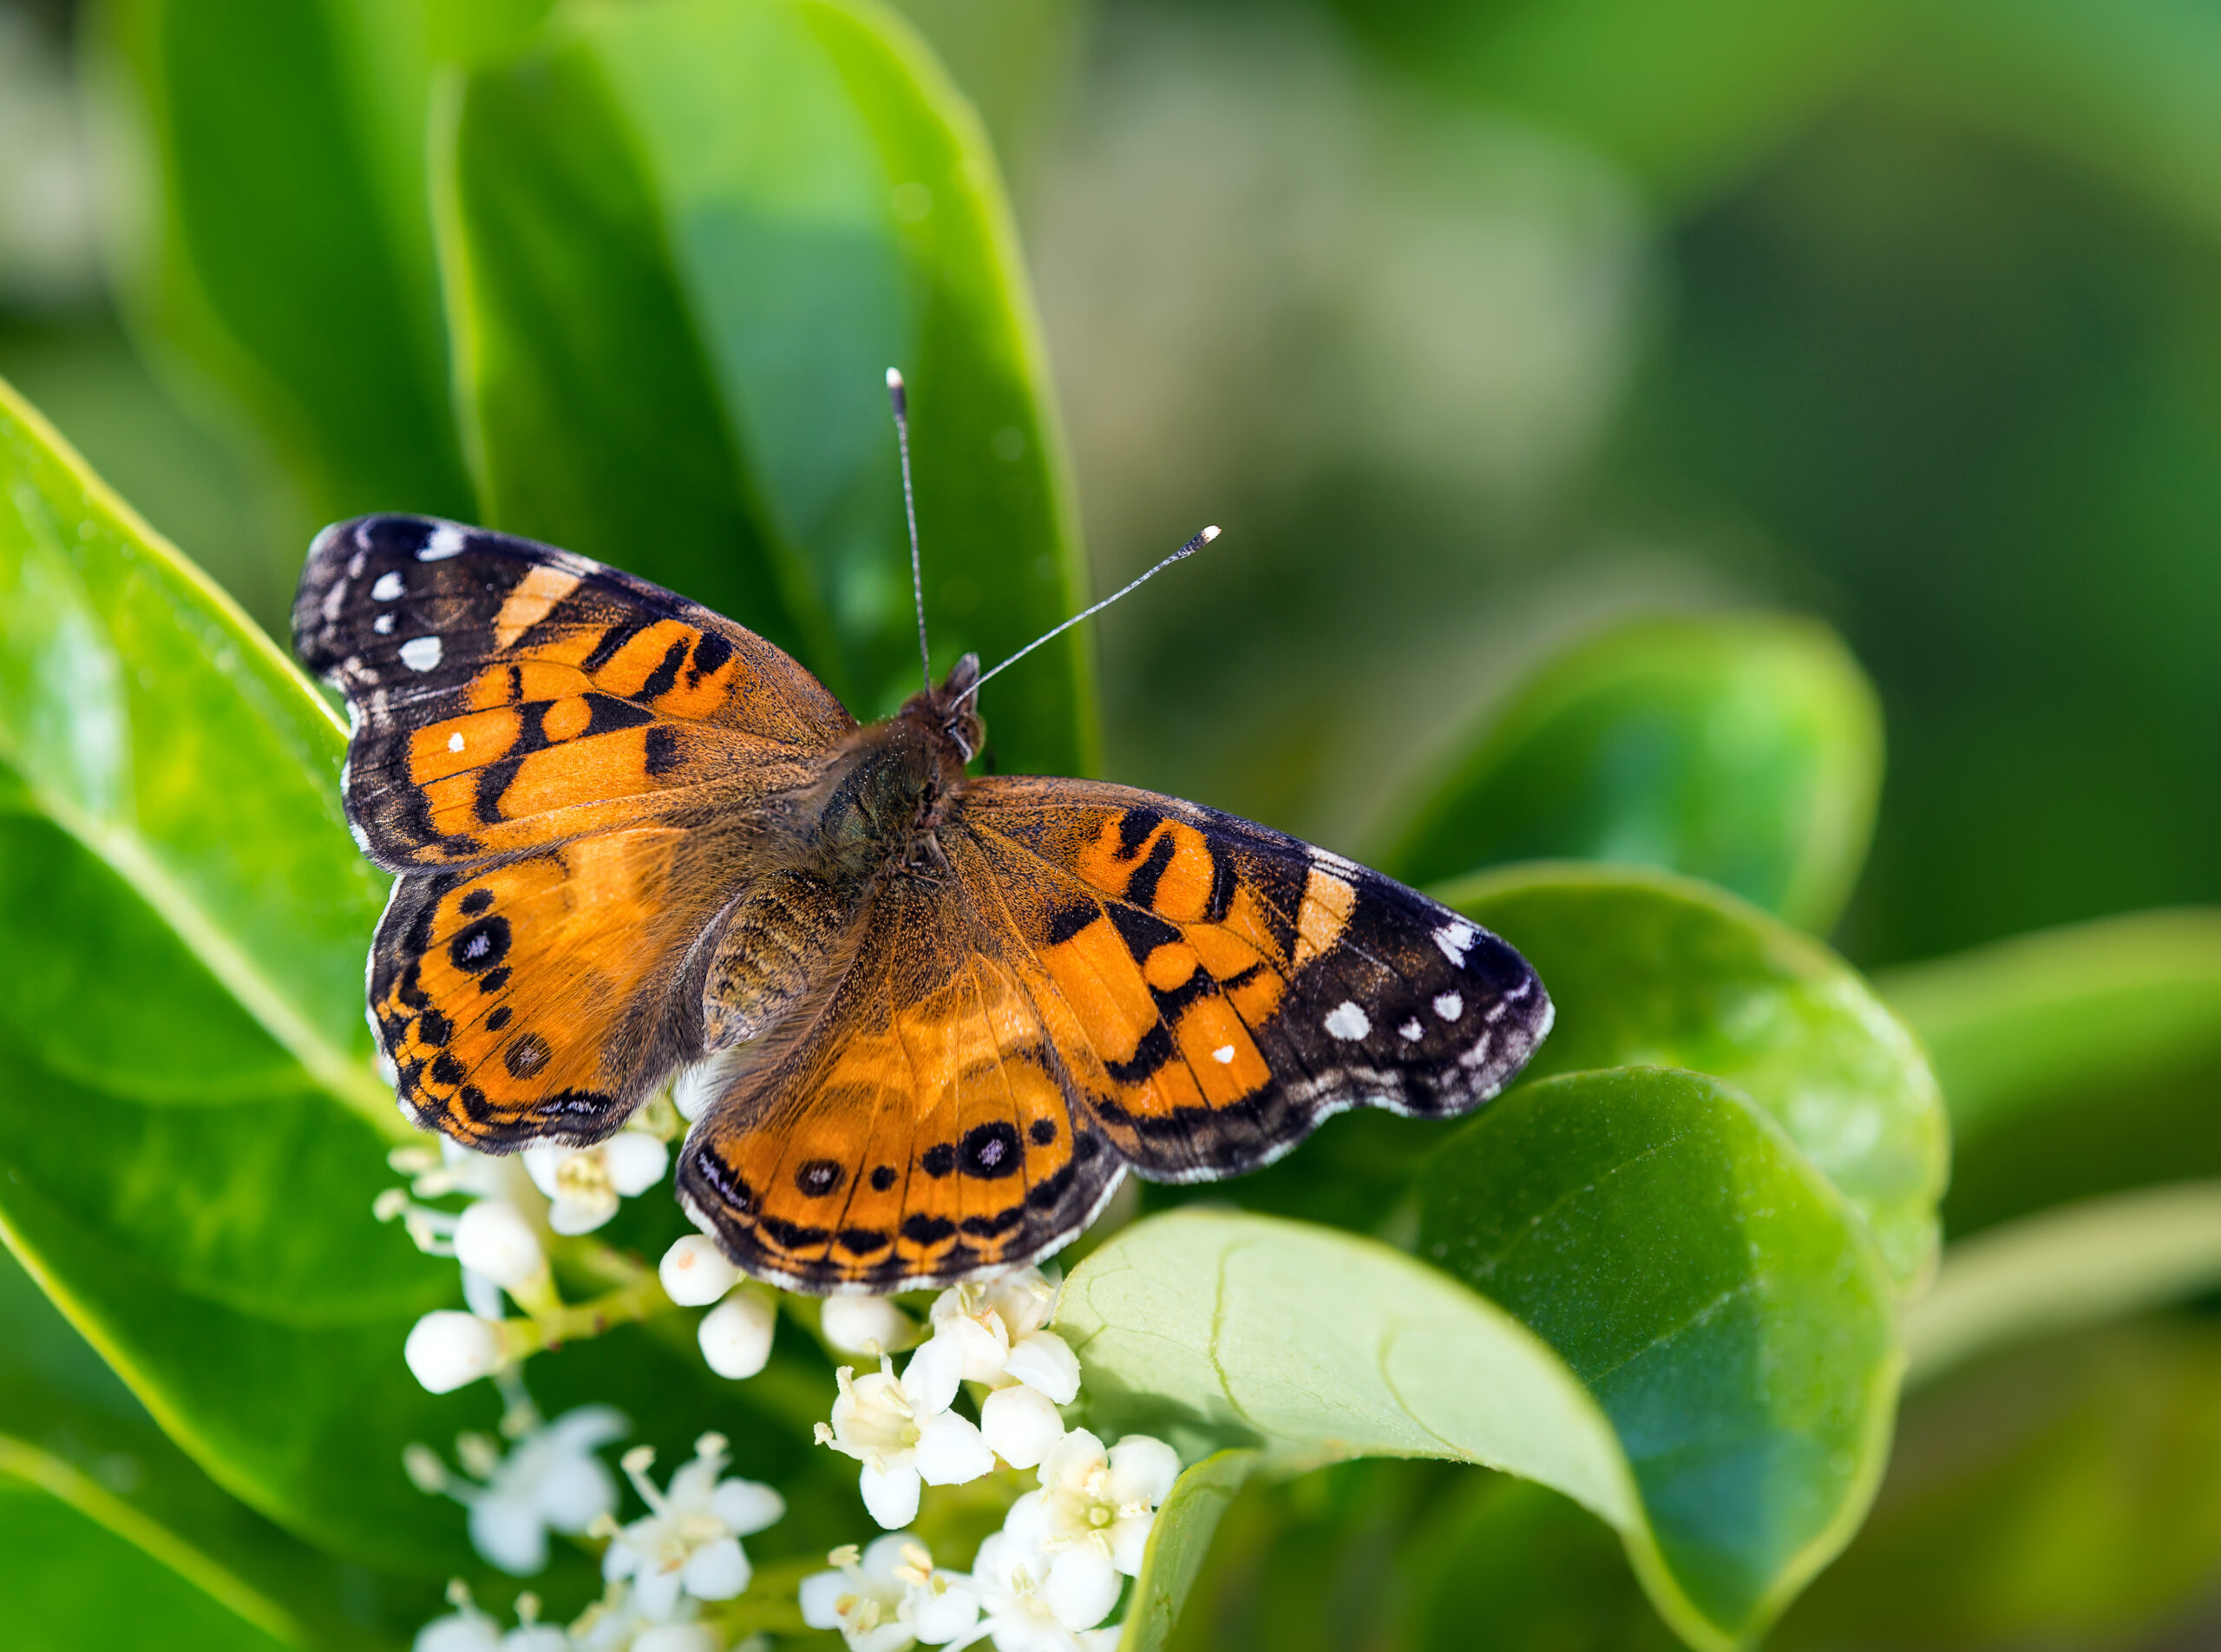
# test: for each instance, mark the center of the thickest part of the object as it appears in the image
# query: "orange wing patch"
(532, 998)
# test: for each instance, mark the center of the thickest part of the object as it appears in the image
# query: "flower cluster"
(1049, 1578)
(983, 1384)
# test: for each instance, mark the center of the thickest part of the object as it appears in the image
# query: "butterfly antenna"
(901, 398)
(1187, 550)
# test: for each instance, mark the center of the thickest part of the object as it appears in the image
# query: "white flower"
(583, 1185)
(493, 1239)
(869, 1325)
(695, 1273)
(549, 1481)
(1026, 1611)
(890, 1598)
(1095, 1507)
(735, 1335)
(690, 1538)
(617, 1624)
(468, 1629)
(1019, 1425)
(903, 1433)
(446, 1349)
(1001, 1329)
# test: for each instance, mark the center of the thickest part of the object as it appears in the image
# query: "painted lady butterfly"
(934, 1017)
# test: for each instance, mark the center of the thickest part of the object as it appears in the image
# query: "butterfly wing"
(1103, 978)
(916, 1123)
(506, 696)
(561, 759)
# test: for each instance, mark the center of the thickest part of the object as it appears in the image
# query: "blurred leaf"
(1712, 1291)
(1649, 969)
(272, 158)
(2078, 1061)
(1754, 1366)
(2123, 90)
(182, 922)
(1742, 749)
(2067, 1496)
(2064, 1269)
(684, 240)
(1178, 1541)
(1685, 95)
(2045, 1019)
(148, 721)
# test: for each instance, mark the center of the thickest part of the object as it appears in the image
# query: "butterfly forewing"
(507, 696)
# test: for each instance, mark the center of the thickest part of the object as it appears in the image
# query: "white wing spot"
(1450, 1006)
(389, 587)
(1456, 939)
(383, 625)
(455, 743)
(421, 653)
(1410, 1032)
(1347, 1022)
(446, 541)
(1223, 1055)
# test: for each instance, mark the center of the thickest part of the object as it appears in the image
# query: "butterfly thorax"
(886, 792)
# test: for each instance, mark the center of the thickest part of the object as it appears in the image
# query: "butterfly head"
(951, 711)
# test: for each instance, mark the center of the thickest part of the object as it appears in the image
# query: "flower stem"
(641, 1300)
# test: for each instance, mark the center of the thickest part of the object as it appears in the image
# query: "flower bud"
(735, 1335)
(1019, 1425)
(446, 1349)
(869, 1325)
(494, 1239)
(695, 1271)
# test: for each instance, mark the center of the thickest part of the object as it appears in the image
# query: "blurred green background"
(1482, 326)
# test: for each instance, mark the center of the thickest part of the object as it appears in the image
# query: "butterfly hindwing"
(926, 1127)
(506, 696)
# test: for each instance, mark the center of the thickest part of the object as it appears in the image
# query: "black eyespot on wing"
(938, 1160)
(481, 946)
(992, 1150)
(882, 1177)
(1044, 1131)
(817, 1178)
(527, 1054)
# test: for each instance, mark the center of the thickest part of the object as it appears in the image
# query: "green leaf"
(1733, 1323)
(2065, 1269)
(68, 1425)
(1742, 749)
(285, 250)
(1648, 969)
(2078, 1061)
(1178, 1541)
(2069, 1495)
(83, 1570)
(683, 241)
(147, 721)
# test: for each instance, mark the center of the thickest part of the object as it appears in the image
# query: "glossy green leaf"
(1649, 969)
(149, 723)
(2075, 1062)
(683, 240)
(285, 250)
(1731, 1316)
(1178, 1542)
(1742, 749)
(2067, 1495)
(2065, 1269)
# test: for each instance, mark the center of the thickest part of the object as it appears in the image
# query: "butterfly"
(927, 1018)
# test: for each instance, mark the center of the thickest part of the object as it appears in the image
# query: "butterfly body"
(923, 1021)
